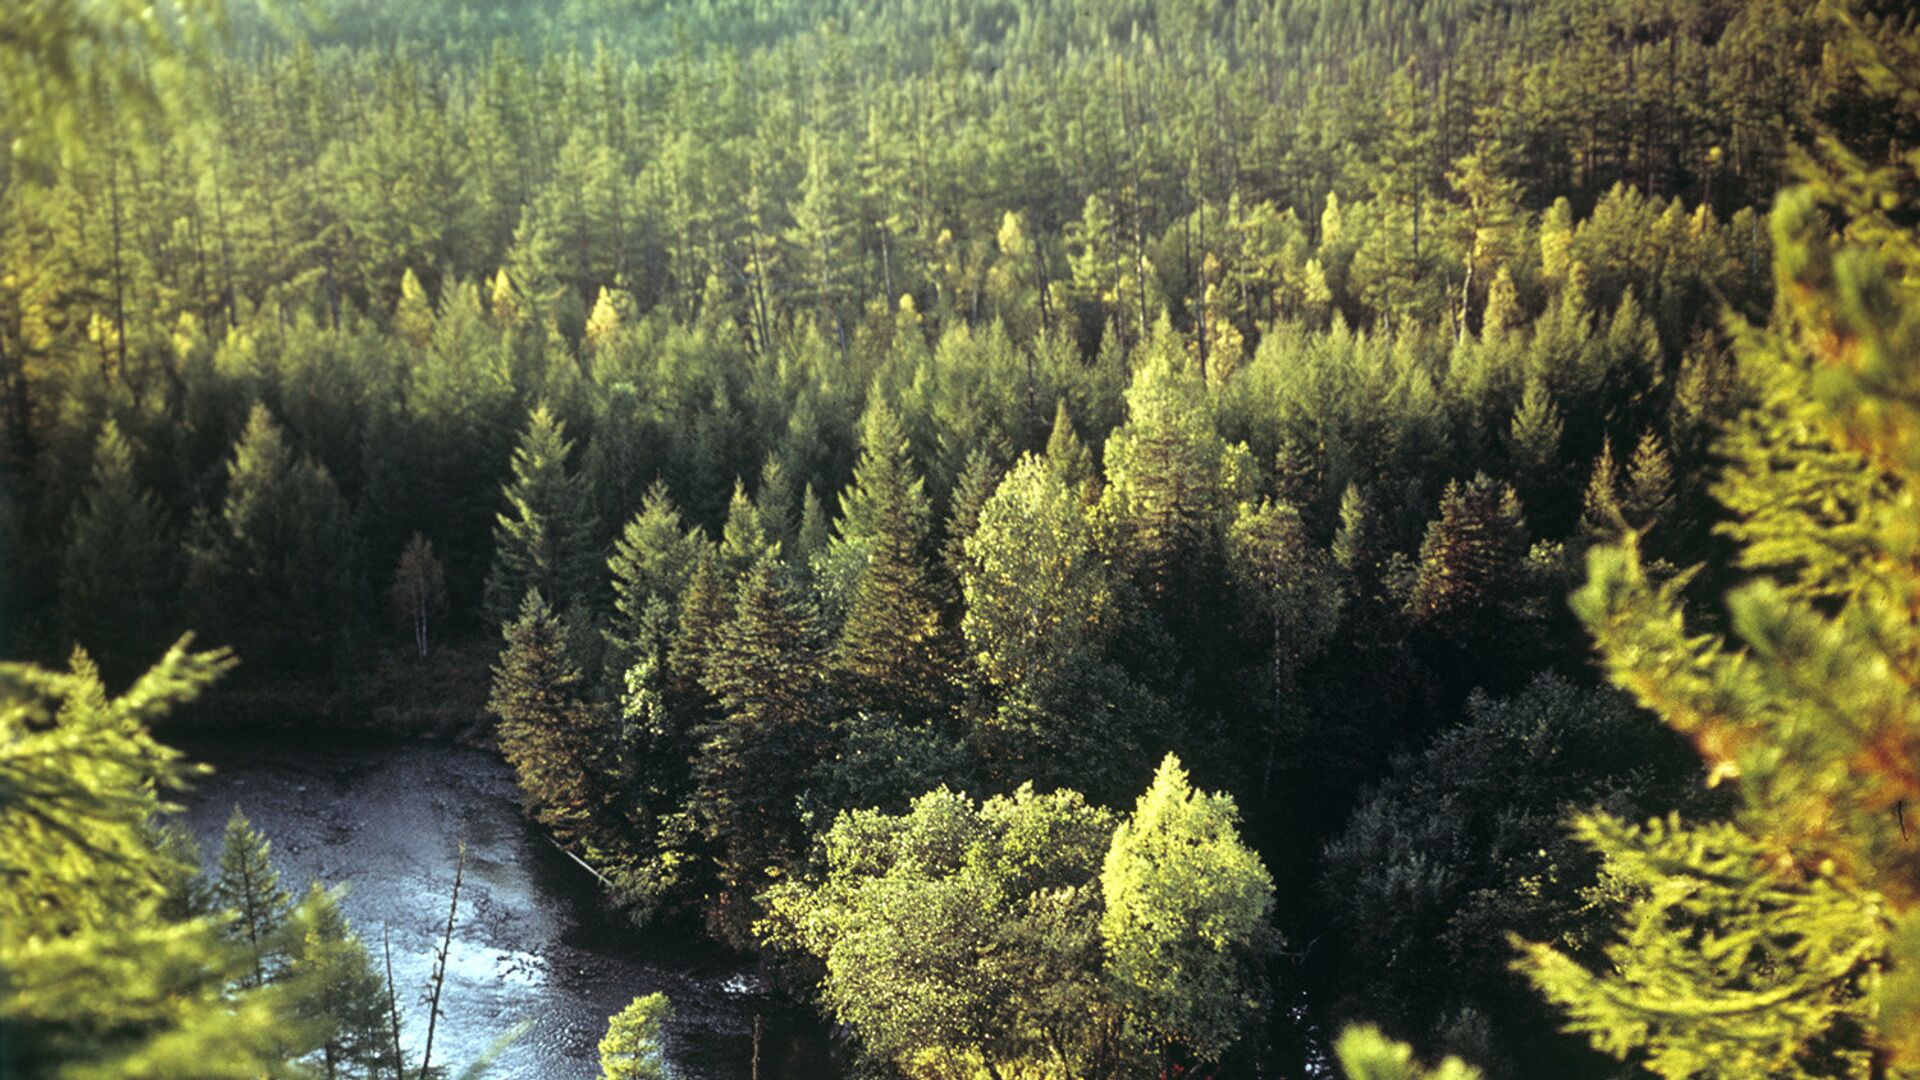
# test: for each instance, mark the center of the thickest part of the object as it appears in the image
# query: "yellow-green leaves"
(1186, 922)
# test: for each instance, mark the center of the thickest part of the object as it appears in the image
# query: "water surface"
(532, 942)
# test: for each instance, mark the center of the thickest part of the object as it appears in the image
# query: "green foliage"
(893, 653)
(544, 542)
(551, 734)
(96, 976)
(754, 757)
(1780, 943)
(1466, 843)
(121, 566)
(634, 1047)
(340, 1003)
(276, 571)
(1187, 921)
(962, 937)
(248, 890)
(1366, 1054)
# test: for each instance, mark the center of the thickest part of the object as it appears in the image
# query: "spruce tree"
(247, 888)
(1786, 942)
(978, 479)
(754, 756)
(893, 654)
(120, 569)
(551, 734)
(1471, 560)
(544, 541)
(652, 562)
(277, 573)
(744, 538)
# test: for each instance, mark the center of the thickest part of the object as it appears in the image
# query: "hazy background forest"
(844, 453)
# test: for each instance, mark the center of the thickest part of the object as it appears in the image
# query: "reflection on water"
(532, 944)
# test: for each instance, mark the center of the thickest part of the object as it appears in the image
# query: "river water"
(532, 941)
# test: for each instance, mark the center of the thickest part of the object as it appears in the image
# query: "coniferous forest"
(1076, 538)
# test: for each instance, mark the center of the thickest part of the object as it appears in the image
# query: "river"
(532, 943)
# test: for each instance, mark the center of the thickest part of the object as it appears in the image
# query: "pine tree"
(893, 654)
(120, 568)
(550, 733)
(1787, 941)
(753, 760)
(247, 888)
(544, 541)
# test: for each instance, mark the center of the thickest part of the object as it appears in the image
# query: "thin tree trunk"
(440, 961)
(393, 1007)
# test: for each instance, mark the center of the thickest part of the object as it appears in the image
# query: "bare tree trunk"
(393, 1008)
(440, 961)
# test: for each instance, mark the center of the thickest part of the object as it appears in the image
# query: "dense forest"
(1138, 538)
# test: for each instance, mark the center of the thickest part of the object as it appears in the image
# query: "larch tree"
(338, 998)
(635, 1045)
(89, 937)
(248, 891)
(1786, 942)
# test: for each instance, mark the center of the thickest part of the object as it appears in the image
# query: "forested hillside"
(846, 453)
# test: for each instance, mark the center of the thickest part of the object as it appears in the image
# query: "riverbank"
(534, 941)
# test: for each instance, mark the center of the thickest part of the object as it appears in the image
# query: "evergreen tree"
(337, 996)
(978, 479)
(653, 562)
(1471, 560)
(744, 539)
(120, 568)
(545, 540)
(751, 767)
(1784, 943)
(277, 573)
(247, 889)
(892, 655)
(1648, 492)
(551, 734)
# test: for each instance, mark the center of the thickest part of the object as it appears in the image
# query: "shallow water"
(532, 941)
